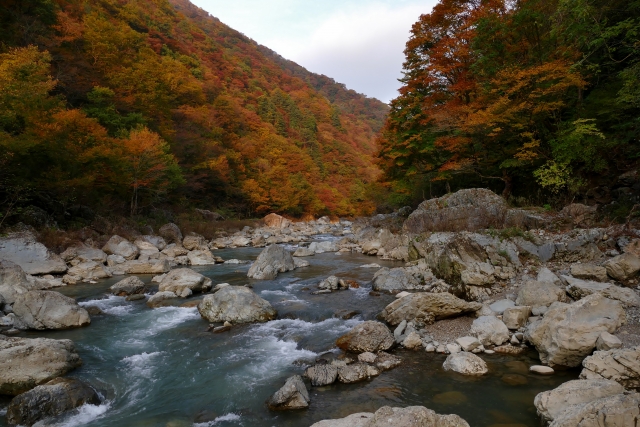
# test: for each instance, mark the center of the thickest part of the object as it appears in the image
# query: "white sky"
(356, 42)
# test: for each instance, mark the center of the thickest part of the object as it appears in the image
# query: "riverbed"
(160, 367)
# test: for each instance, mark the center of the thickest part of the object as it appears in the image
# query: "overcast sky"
(356, 42)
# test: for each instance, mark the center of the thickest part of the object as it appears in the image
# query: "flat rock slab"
(32, 256)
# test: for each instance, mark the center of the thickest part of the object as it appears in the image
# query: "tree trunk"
(508, 185)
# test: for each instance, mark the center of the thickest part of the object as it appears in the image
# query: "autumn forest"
(129, 106)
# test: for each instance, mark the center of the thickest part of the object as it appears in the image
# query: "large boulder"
(550, 404)
(623, 267)
(276, 221)
(412, 416)
(589, 272)
(620, 410)
(120, 246)
(322, 247)
(13, 281)
(292, 395)
(184, 281)
(171, 233)
(537, 294)
(621, 365)
(201, 257)
(161, 299)
(156, 241)
(32, 256)
(490, 330)
(516, 317)
(470, 210)
(581, 288)
(416, 277)
(49, 310)
(321, 375)
(427, 307)
(48, 400)
(465, 363)
(89, 270)
(236, 304)
(83, 253)
(129, 286)
(271, 261)
(195, 242)
(568, 332)
(369, 336)
(355, 372)
(28, 362)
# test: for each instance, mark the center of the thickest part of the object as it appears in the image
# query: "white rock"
(465, 363)
(490, 330)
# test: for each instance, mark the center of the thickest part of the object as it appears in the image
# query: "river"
(159, 367)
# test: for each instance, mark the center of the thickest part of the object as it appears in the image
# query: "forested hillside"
(122, 106)
(535, 98)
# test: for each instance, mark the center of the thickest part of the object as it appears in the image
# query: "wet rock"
(508, 349)
(619, 365)
(302, 252)
(607, 342)
(589, 272)
(386, 361)
(184, 281)
(470, 209)
(541, 370)
(236, 304)
(48, 400)
(581, 288)
(134, 297)
(490, 330)
(120, 246)
(160, 299)
(367, 357)
(353, 373)
(417, 277)
(201, 257)
(331, 283)
(623, 267)
(171, 233)
(321, 375)
(412, 341)
(94, 310)
(368, 336)
(465, 363)
(271, 261)
(300, 263)
(568, 332)
(427, 308)
(551, 404)
(33, 257)
(514, 379)
(129, 286)
(412, 416)
(516, 317)
(49, 310)
(536, 294)
(293, 395)
(28, 362)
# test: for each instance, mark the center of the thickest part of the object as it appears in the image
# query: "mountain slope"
(232, 124)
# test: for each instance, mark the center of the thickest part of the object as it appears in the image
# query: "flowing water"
(161, 368)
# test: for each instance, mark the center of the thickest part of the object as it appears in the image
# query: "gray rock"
(129, 286)
(89, 270)
(367, 357)
(465, 363)
(184, 281)
(418, 277)
(581, 288)
(201, 257)
(321, 375)
(427, 308)
(368, 336)
(536, 294)
(568, 332)
(292, 395)
(386, 361)
(49, 310)
(620, 410)
(322, 247)
(499, 307)
(156, 241)
(589, 272)
(331, 283)
(120, 246)
(156, 266)
(412, 416)
(83, 253)
(171, 233)
(490, 330)
(160, 298)
(516, 317)
(621, 365)
(301, 252)
(300, 263)
(33, 257)
(607, 342)
(470, 209)
(48, 400)
(195, 242)
(546, 275)
(623, 267)
(13, 281)
(550, 404)
(271, 261)
(468, 343)
(236, 304)
(353, 373)
(541, 370)
(28, 362)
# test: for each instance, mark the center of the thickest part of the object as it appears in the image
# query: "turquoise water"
(161, 368)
